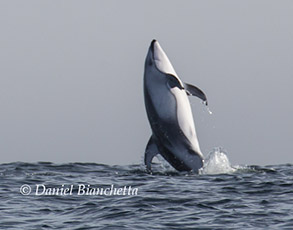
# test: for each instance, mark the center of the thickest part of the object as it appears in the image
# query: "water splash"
(217, 162)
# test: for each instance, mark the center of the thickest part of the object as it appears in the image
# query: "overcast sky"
(71, 76)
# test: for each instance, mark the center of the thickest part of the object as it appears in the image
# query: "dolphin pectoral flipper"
(173, 81)
(150, 151)
(194, 91)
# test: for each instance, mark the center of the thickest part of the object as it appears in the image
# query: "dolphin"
(169, 114)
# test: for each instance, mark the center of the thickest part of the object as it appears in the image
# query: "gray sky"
(71, 77)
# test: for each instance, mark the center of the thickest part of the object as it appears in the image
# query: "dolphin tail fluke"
(194, 91)
(150, 151)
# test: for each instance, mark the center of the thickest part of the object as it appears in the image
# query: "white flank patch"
(162, 61)
(185, 118)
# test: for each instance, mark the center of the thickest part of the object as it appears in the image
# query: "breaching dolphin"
(169, 113)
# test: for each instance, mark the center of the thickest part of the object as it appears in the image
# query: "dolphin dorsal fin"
(150, 152)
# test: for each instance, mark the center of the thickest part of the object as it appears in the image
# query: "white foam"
(217, 162)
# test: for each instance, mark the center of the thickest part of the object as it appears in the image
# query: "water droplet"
(205, 102)
(209, 111)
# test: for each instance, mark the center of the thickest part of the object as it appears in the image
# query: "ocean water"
(97, 196)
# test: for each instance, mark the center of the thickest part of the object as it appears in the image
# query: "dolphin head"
(157, 59)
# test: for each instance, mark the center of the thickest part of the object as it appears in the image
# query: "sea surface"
(98, 196)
